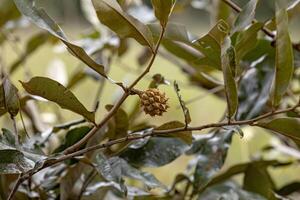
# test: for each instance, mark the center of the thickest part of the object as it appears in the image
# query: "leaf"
(247, 40)
(162, 10)
(245, 17)
(40, 18)
(262, 185)
(221, 11)
(230, 86)
(28, 149)
(210, 44)
(185, 136)
(12, 103)
(126, 26)
(284, 66)
(14, 162)
(157, 151)
(72, 137)
(115, 169)
(210, 152)
(186, 112)
(289, 127)
(54, 91)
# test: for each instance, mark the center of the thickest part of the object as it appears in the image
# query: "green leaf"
(186, 112)
(12, 103)
(262, 185)
(284, 56)
(247, 40)
(185, 136)
(115, 169)
(40, 18)
(126, 26)
(157, 151)
(228, 59)
(14, 162)
(245, 17)
(72, 137)
(163, 10)
(54, 91)
(210, 44)
(289, 127)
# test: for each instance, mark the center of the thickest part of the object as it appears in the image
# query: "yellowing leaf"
(54, 91)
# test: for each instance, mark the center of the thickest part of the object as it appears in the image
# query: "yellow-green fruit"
(154, 102)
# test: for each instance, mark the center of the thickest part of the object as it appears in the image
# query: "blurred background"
(53, 60)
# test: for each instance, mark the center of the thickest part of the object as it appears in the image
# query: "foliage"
(106, 154)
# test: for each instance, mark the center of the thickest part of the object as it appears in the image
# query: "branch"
(267, 31)
(132, 137)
